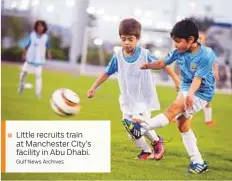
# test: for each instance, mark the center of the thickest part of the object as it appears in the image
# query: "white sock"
(156, 122)
(142, 144)
(38, 85)
(22, 78)
(152, 136)
(208, 114)
(190, 143)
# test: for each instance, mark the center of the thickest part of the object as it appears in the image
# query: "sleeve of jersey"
(171, 57)
(112, 66)
(151, 57)
(203, 68)
(27, 41)
(213, 57)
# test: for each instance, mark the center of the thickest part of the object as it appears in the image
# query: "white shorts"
(198, 104)
(37, 70)
(142, 116)
(142, 112)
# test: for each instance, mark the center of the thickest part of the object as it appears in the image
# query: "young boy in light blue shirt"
(196, 91)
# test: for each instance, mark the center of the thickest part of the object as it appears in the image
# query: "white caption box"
(87, 149)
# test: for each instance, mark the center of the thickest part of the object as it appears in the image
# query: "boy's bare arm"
(24, 53)
(216, 71)
(49, 54)
(159, 64)
(96, 84)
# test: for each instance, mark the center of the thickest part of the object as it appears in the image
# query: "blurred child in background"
(37, 46)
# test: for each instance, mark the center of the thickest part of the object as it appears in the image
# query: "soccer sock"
(156, 122)
(152, 136)
(208, 114)
(190, 143)
(22, 79)
(38, 85)
(142, 144)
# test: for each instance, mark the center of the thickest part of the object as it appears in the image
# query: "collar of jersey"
(193, 55)
(133, 57)
(38, 36)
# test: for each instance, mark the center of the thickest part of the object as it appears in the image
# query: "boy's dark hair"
(184, 29)
(43, 23)
(130, 27)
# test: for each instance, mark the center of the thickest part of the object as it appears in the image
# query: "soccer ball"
(65, 102)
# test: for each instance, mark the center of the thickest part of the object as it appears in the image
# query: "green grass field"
(214, 143)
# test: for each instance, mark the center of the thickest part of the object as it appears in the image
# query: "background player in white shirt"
(35, 55)
(208, 109)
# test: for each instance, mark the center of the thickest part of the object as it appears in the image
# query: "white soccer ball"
(65, 102)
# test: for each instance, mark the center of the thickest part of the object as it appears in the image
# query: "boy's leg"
(208, 115)
(38, 80)
(197, 164)
(157, 144)
(22, 77)
(189, 139)
(165, 118)
(137, 130)
(151, 134)
(156, 141)
(140, 143)
(190, 142)
(162, 120)
(21, 82)
(146, 152)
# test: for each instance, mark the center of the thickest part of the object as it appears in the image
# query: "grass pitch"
(214, 143)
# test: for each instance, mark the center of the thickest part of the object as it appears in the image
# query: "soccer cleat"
(198, 168)
(158, 149)
(134, 129)
(210, 123)
(145, 156)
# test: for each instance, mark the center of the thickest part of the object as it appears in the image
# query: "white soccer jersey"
(36, 52)
(137, 87)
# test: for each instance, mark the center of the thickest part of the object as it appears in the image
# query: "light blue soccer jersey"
(113, 66)
(27, 41)
(197, 64)
(36, 48)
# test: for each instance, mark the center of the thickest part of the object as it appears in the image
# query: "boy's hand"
(144, 66)
(91, 92)
(177, 85)
(189, 101)
(49, 54)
